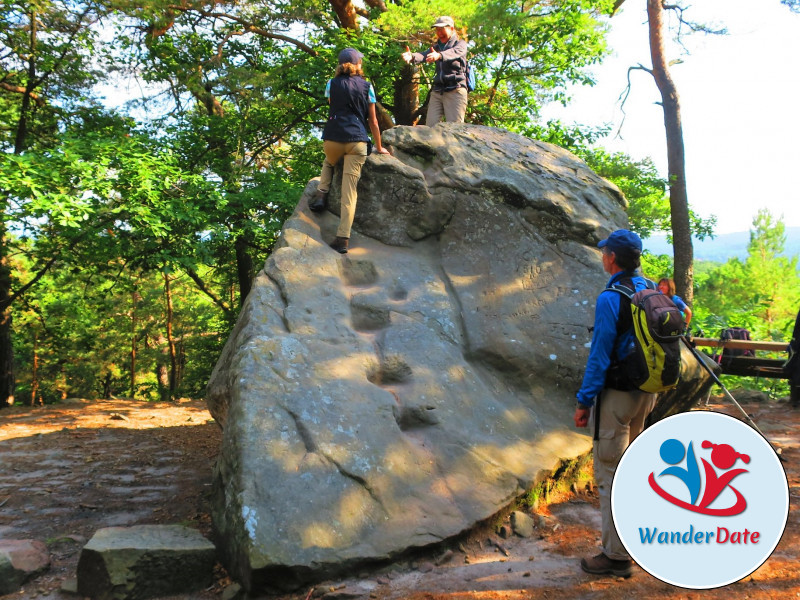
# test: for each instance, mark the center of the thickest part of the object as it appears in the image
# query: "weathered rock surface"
(20, 560)
(394, 397)
(144, 561)
(522, 524)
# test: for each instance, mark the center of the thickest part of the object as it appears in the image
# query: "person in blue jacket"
(616, 409)
(666, 286)
(352, 109)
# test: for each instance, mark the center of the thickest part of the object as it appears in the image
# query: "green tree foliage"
(49, 59)
(86, 332)
(96, 197)
(761, 293)
(127, 240)
(47, 65)
(100, 207)
(525, 53)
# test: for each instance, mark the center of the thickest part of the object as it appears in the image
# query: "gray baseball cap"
(444, 22)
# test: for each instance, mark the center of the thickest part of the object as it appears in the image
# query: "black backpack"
(654, 365)
(735, 333)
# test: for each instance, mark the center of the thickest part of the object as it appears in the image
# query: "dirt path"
(70, 469)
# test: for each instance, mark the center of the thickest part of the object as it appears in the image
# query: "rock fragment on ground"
(144, 561)
(21, 560)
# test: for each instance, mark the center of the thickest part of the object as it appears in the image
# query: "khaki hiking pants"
(622, 416)
(452, 104)
(355, 155)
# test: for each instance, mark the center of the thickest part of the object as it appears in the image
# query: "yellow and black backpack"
(654, 365)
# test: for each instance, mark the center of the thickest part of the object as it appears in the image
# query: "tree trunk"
(244, 268)
(35, 370)
(181, 365)
(162, 375)
(134, 299)
(406, 96)
(173, 359)
(683, 251)
(107, 386)
(22, 123)
(61, 383)
(7, 380)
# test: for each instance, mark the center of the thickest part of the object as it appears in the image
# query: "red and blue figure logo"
(717, 475)
(699, 499)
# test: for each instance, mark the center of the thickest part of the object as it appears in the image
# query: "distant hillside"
(724, 246)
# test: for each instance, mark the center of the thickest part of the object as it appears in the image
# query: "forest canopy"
(151, 152)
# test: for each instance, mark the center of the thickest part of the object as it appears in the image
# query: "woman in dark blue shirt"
(352, 108)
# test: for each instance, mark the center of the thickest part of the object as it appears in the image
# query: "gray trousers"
(622, 416)
(452, 104)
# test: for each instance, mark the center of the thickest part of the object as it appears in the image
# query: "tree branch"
(380, 4)
(21, 90)
(345, 13)
(623, 97)
(276, 137)
(248, 27)
(4, 304)
(202, 287)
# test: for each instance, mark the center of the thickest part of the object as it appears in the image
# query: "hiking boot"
(602, 565)
(319, 202)
(340, 245)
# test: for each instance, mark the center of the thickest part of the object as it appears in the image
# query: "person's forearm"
(376, 134)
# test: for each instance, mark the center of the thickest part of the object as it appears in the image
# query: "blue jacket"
(606, 344)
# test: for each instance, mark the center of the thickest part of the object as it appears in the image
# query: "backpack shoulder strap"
(626, 289)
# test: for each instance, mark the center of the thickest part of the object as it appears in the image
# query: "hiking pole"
(727, 393)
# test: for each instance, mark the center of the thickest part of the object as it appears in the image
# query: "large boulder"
(396, 396)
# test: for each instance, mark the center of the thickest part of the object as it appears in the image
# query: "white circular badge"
(700, 500)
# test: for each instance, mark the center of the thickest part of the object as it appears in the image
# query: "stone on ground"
(144, 561)
(21, 560)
